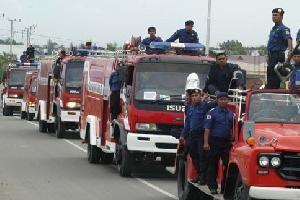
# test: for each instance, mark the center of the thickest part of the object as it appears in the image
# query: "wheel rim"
(239, 190)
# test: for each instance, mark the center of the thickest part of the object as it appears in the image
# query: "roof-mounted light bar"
(170, 45)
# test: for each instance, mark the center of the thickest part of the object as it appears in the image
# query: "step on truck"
(29, 96)
(150, 102)
(13, 81)
(265, 153)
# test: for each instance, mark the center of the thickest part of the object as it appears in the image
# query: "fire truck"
(59, 99)
(14, 80)
(29, 96)
(151, 107)
(264, 158)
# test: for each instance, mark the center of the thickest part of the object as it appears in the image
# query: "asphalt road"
(35, 166)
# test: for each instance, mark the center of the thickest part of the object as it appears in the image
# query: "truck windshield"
(274, 107)
(74, 72)
(17, 78)
(163, 80)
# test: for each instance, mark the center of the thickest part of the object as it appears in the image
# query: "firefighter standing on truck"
(221, 74)
(152, 38)
(193, 132)
(114, 98)
(279, 40)
(296, 72)
(186, 35)
(218, 133)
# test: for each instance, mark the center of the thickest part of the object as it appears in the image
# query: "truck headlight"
(263, 161)
(275, 161)
(145, 127)
(31, 104)
(72, 104)
(13, 96)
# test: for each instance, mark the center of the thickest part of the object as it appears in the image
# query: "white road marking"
(75, 145)
(154, 187)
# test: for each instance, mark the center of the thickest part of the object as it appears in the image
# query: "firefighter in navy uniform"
(152, 38)
(218, 129)
(279, 40)
(57, 70)
(295, 76)
(114, 99)
(193, 132)
(221, 74)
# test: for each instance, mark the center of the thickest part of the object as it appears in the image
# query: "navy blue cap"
(221, 94)
(278, 10)
(296, 51)
(189, 22)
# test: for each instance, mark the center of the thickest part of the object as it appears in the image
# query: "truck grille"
(290, 168)
(166, 129)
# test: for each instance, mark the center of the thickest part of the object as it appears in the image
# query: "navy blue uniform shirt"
(293, 75)
(220, 122)
(278, 39)
(184, 36)
(114, 82)
(195, 115)
(148, 40)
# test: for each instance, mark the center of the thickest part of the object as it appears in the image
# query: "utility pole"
(29, 32)
(208, 28)
(12, 32)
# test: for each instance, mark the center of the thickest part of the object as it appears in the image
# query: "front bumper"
(151, 143)
(13, 102)
(70, 115)
(274, 193)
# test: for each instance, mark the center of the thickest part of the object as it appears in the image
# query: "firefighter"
(221, 74)
(114, 99)
(152, 38)
(186, 35)
(218, 128)
(57, 70)
(296, 71)
(23, 57)
(279, 40)
(193, 133)
(30, 53)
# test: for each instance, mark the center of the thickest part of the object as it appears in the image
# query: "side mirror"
(248, 129)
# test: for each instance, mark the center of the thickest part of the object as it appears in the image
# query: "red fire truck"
(151, 117)
(14, 80)
(29, 96)
(265, 153)
(59, 99)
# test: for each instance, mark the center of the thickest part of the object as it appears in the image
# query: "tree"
(233, 47)
(51, 46)
(112, 46)
(6, 59)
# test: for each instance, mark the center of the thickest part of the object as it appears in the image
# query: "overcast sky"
(103, 21)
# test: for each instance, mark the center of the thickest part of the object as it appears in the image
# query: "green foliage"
(7, 42)
(234, 47)
(6, 59)
(112, 46)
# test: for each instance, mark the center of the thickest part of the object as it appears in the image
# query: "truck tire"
(42, 126)
(106, 158)
(51, 128)
(60, 128)
(23, 114)
(93, 153)
(186, 191)
(5, 110)
(30, 116)
(125, 166)
(241, 191)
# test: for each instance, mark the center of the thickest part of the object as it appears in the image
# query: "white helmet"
(192, 82)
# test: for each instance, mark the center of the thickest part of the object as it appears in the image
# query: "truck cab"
(264, 158)
(67, 92)
(14, 81)
(29, 96)
(151, 107)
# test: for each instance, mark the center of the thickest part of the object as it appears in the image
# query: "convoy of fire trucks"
(264, 158)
